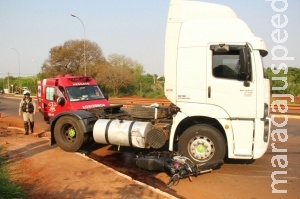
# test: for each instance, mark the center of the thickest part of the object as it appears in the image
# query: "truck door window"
(227, 64)
(50, 91)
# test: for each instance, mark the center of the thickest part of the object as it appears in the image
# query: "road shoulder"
(47, 171)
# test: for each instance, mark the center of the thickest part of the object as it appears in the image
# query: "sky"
(134, 28)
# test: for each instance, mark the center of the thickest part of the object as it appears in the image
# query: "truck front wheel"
(202, 143)
(68, 134)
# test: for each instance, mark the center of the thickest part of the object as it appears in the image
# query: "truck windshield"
(82, 93)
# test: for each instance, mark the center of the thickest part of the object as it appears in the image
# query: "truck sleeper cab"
(214, 73)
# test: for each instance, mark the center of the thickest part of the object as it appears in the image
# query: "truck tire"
(68, 134)
(146, 112)
(202, 143)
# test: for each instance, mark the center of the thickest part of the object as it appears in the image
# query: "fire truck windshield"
(82, 93)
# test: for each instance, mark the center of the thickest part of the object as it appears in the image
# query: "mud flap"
(52, 140)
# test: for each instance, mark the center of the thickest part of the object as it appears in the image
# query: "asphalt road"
(235, 179)
(9, 106)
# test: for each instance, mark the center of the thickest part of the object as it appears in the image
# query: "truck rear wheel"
(68, 134)
(202, 143)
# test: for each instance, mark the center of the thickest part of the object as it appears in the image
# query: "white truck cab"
(214, 73)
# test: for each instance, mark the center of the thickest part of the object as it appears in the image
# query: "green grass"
(8, 189)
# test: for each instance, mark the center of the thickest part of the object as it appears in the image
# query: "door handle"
(209, 92)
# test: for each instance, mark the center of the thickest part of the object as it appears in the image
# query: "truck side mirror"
(244, 73)
(61, 101)
(244, 66)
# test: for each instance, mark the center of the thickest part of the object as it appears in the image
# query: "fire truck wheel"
(68, 134)
(202, 143)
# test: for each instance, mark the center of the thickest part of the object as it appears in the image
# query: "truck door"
(50, 106)
(231, 85)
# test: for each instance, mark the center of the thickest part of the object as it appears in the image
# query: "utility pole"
(84, 57)
(8, 82)
(18, 59)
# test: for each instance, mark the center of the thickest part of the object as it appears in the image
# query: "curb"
(47, 134)
(129, 178)
(39, 135)
(42, 134)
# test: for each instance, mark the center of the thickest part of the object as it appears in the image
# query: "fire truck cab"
(67, 93)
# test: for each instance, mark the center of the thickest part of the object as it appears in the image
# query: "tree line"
(118, 75)
(284, 81)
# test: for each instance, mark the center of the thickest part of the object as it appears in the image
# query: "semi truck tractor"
(214, 79)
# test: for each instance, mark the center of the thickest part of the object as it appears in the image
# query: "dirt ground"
(48, 172)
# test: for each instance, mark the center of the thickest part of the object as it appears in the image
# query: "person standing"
(28, 109)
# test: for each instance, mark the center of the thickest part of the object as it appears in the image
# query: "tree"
(118, 73)
(151, 86)
(69, 59)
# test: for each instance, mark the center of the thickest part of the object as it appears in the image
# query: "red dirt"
(49, 172)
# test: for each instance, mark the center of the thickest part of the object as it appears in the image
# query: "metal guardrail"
(128, 101)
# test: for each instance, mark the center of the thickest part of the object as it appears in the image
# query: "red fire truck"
(69, 93)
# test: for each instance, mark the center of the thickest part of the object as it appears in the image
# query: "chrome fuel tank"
(121, 132)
